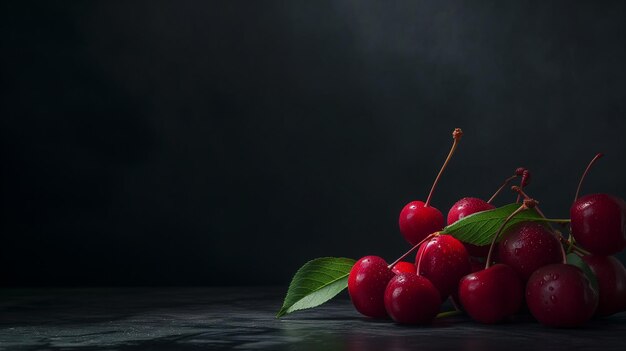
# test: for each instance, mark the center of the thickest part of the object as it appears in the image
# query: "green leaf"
(316, 282)
(479, 228)
(575, 260)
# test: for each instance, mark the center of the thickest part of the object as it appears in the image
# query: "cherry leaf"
(479, 228)
(316, 282)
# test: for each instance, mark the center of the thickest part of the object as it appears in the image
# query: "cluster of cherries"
(525, 271)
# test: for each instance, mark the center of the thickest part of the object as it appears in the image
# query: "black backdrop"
(228, 142)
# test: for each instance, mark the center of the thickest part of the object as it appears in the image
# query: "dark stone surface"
(243, 318)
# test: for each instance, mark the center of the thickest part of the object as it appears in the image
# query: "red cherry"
(411, 299)
(527, 246)
(463, 208)
(444, 261)
(599, 223)
(366, 285)
(418, 221)
(560, 295)
(598, 220)
(404, 267)
(467, 206)
(611, 276)
(491, 295)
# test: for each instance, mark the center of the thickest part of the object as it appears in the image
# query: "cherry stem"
(561, 221)
(571, 241)
(580, 251)
(521, 192)
(412, 249)
(598, 156)
(456, 134)
(419, 261)
(525, 205)
(563, 254)
(523, 182)
(506, 182)
(571, 246)
(521, 186)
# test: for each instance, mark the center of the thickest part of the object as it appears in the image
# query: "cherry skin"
(528, 246)
(404, 267)
(411, 299)
(417, 221)
(366, 285)
(463, 208)
(467, 206)
(611, 276)
(599, 223)
(444, 261)
(560, 295)
(490, 295)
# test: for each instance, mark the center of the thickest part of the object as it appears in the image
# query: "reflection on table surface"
(243, 318)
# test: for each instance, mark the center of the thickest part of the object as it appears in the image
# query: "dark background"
(227, 143)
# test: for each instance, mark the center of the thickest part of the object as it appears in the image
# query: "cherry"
(467, 206)
(463, 208)
(611, 276)
(404, 267)
(366, 285)
(411, 299)
(528, 246)
(560, 295)
(470, 205)
(369, 277)
(444, 261)
(418, 219)
(598, 220)
(599, 223)
(490, 295)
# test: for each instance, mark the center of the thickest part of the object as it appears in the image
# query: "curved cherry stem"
(419, 261)
(598, 156)
(525, 205)
(523, 182)
(412, 249)
(456, 134)
(506, 182)
(563, 254)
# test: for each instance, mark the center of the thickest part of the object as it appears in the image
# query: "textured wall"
(228, 142)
